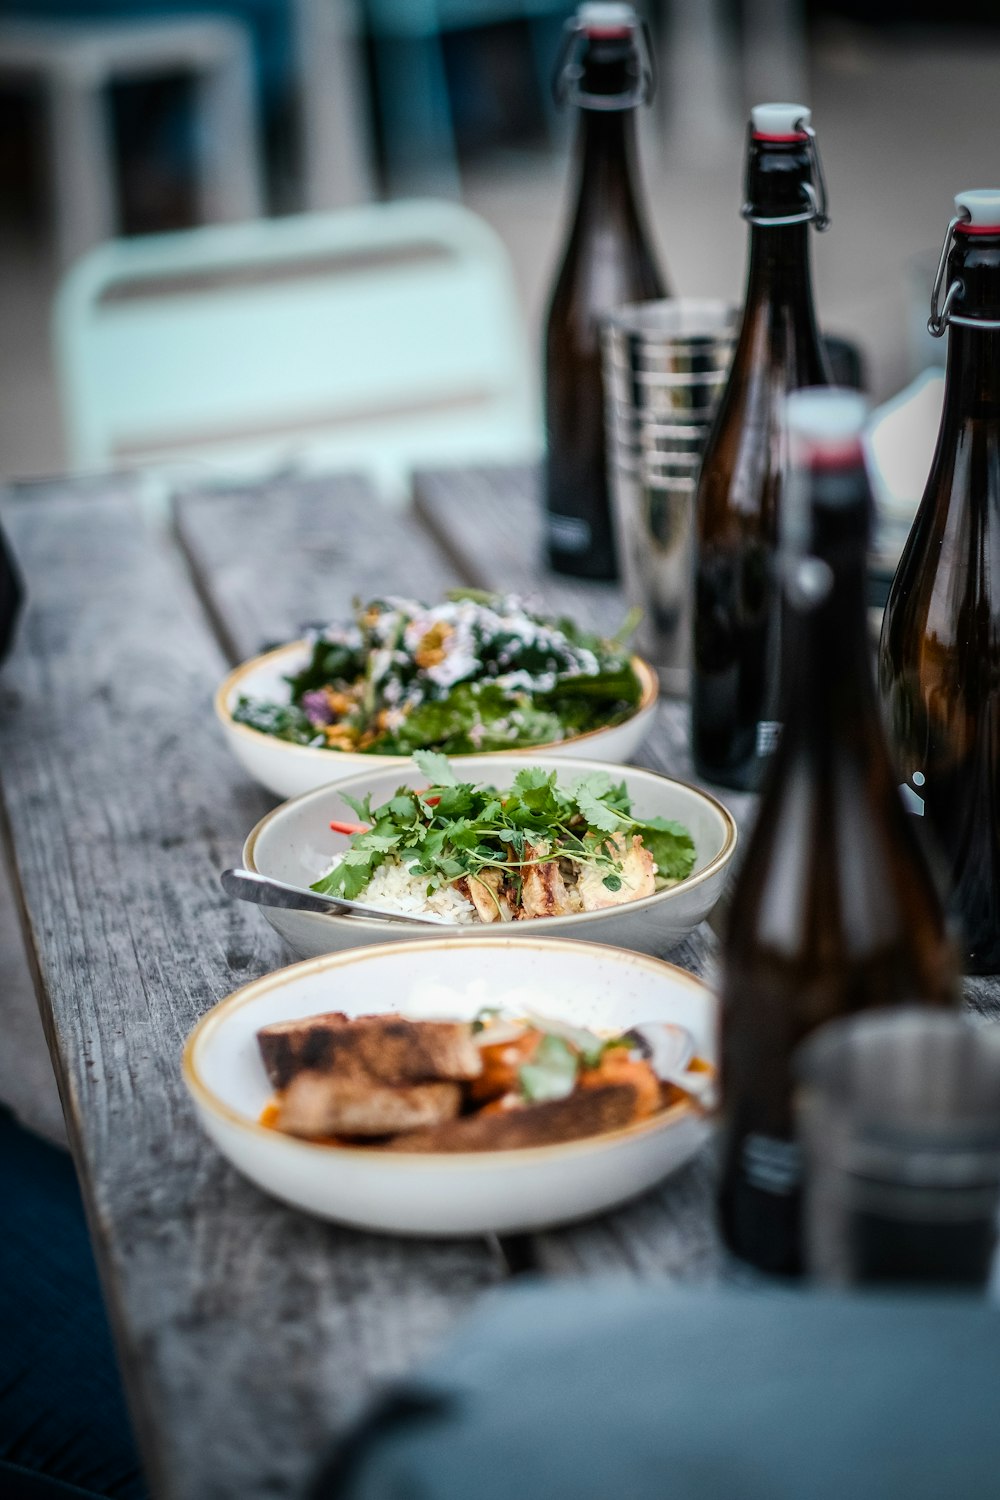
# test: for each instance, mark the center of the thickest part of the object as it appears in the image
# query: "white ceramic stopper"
(779, 119)
(606, 16)
(982, 206)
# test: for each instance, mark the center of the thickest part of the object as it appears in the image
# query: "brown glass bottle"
(738, 500)
(608, 261)
(835, 910)
(939, 658)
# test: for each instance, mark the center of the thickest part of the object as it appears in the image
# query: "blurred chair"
(413, 98)
(333, 104)
(77, 62)
(379, 338)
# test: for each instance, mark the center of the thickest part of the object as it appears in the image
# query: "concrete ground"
(903, 122)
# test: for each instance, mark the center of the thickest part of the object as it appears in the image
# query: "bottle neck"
(779, 296)
(827, 684)
(778, 271)
(606, 162)
(972, 386)
(972, 381)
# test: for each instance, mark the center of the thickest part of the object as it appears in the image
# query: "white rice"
(392, 888)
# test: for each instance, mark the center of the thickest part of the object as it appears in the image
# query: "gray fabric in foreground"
(600, 1389)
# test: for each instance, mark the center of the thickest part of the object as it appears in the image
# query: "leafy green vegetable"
(456, 829)
(435, 767)
(619, 685)
(474, 716)
(507, 677)
(671, 846)
(597, 812)
(551, 1073)
(329, 662)
(283, 721)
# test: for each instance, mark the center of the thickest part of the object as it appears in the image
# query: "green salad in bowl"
(478, 672)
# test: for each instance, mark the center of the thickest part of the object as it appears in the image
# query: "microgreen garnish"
(551, 1073)
(454, 829)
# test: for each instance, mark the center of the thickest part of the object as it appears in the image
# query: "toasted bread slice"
(590, 1112)
(324, 1104)
(389, 1048)
(290, 1047)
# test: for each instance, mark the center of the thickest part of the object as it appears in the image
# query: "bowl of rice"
(295, 844)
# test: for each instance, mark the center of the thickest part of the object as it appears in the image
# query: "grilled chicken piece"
(587, 1112)
(323, 1104)
(485, 891)
(388, 1048)
(637, 872)
(545, 892)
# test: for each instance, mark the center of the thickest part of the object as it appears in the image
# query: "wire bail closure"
(941, 312)
(815, 191)
(568, 72)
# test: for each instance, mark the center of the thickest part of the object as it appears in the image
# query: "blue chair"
(414, 103)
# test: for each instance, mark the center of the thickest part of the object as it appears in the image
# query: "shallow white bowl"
(468, 1192)
(294, 843)
(289, 770)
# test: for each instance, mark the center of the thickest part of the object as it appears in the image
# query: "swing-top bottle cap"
(606, 18)
(979, 211)
(824, 425)
(779, 122)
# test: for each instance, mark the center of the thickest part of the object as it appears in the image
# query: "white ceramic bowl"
(290, 770)
(294, 843)
(468, 1192)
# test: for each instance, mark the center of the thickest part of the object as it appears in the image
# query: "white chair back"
(379, 338)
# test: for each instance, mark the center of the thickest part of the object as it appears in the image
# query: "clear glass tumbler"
(899, 1119)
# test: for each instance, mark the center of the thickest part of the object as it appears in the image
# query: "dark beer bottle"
(835, 910)
(605, 72)
(738, 500)
(939, 659)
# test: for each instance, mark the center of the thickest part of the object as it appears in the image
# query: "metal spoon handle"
(262, 890)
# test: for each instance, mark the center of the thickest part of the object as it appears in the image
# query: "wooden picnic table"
(249, 1334)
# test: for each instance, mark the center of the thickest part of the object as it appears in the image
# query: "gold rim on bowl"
(220, 1012)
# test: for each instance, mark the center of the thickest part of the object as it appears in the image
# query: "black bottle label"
(771, 1165)
(768, 735)
(569, 533)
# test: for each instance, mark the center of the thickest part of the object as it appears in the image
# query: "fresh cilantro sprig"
(454, 829)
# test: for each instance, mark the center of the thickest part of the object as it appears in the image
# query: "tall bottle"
(835, 910)
(939, 658)
(609, 260)
(738, 501)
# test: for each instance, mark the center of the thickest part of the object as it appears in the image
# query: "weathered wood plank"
(271, 558)
(489, 522)
(248, 1333)
(669, 1233)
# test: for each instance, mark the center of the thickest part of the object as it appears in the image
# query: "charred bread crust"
(589, 1112)
(325, 1104)
(290, 1047)
(390, 1049)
